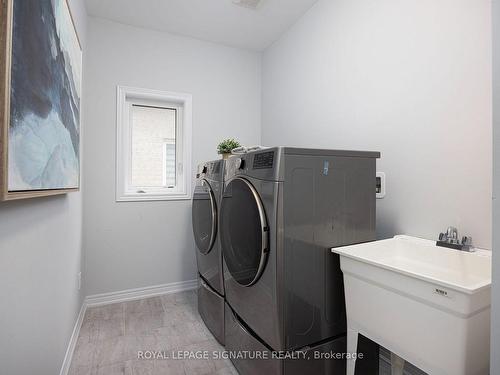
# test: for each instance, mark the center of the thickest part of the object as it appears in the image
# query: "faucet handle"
(467, 241)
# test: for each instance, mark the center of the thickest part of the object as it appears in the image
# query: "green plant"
(227, 145)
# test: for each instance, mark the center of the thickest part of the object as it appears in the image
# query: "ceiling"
(218, 21)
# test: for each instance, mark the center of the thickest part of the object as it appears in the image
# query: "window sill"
(153, 197)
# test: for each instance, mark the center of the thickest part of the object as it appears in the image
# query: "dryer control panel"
(262, 164)
(264, 160)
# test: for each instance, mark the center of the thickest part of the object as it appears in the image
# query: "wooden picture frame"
(6, 51)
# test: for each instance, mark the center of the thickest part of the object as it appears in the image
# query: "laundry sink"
(427, 304)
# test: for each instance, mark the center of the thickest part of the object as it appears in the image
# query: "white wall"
(138, 244)
(495, 313)
(40, 256)
(409, 78)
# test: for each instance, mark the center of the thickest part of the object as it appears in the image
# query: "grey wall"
(495, 315)
(40, 257)
(137, 244)
(411, 79)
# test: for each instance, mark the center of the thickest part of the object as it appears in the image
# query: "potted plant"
(226, 146)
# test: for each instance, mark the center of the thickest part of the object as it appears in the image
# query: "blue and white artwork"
(45, 88)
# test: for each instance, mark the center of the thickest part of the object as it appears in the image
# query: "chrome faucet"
(451, 240)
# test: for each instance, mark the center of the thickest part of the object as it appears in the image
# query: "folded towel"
(246, 149)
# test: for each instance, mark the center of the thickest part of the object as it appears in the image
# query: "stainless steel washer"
(282, 210)
(206, 202)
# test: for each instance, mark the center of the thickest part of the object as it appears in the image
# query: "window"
(153, 145)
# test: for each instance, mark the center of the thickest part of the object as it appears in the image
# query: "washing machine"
(205, 214)
(282, 210)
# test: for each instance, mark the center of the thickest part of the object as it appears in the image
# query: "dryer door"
(244, 231)
(204, 217)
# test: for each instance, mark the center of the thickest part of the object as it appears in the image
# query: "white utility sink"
(427, 304)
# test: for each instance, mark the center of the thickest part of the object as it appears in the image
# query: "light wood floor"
(112, 336)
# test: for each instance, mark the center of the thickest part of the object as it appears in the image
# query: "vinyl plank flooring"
(151, 305)
(111, 337)
(84, 354)
(143, 323)
(111, 311)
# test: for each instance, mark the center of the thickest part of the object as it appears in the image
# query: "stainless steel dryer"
(206, 202)
(282, 210)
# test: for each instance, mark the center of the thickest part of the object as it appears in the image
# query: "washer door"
(244, 231)
(204, 217)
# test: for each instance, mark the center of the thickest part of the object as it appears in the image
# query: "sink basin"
(416, 257)
(427, 304)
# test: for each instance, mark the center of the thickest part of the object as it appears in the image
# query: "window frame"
(182, 103)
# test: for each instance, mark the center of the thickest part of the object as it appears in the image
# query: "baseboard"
(72, 341)
(138, 293)
(114, 297)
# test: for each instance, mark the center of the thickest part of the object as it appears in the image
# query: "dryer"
(282, 210)
(205, 208)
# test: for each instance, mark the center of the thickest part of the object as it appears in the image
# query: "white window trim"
(183, 131)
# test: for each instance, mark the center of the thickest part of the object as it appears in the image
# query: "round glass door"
(244, 232)
(204, 217)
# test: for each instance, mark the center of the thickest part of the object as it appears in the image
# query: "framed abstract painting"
(40, 90)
